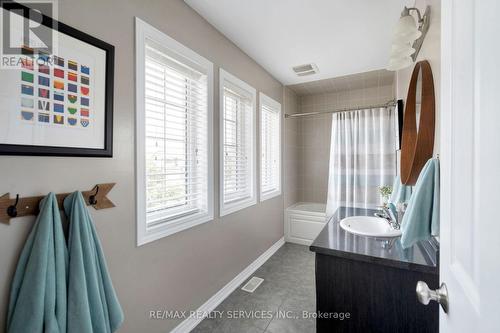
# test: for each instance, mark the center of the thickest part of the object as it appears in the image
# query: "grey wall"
(179, 272)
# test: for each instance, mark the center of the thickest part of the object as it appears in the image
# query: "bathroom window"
(270, 147)
(174, 135)
(238, 153)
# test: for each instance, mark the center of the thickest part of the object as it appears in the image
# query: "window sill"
(226, 209)
(171, 227)
(269, 195)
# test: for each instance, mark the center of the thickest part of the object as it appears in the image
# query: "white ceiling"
(340, 36)
(363, 80)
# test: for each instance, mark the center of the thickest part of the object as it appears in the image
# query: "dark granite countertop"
(334, 241)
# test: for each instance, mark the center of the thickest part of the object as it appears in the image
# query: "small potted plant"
(385, 193)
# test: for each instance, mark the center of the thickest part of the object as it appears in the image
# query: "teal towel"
(92, 303)
(400, 192)
(421, 219)
(38, 293)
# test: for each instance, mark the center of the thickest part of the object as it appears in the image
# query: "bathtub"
(304, 221)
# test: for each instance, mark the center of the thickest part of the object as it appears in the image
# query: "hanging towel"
(92, 303)
(38, 294)
(421, 219)
(400, 192)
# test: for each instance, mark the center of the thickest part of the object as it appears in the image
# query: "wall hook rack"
(96, 197)
(93, 198)
(12, 209)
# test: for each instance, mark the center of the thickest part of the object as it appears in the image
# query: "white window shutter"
(270, 138)
(174, 111)
(237, 144)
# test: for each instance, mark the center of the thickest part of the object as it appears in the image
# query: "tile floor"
(277, 305)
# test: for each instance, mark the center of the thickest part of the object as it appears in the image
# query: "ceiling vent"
(304, 70)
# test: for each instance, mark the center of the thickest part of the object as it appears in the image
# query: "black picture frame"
(107, 151)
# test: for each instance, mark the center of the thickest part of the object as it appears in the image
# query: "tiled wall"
(347, 99)
(313, 141)
(291, 153)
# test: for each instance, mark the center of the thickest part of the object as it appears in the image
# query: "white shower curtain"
(362, 157)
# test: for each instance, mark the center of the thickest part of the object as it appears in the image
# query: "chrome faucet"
(389, 216)
(401, 210)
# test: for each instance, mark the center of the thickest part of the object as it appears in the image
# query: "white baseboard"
(190, 323)
(299, 241)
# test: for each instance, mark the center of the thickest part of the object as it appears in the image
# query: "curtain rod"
(297, 115)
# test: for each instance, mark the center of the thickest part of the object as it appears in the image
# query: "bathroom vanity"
(371, 283)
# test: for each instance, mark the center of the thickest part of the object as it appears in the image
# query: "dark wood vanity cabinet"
(364, 285)
(378, 298)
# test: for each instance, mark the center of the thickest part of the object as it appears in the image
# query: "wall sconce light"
(408, 38)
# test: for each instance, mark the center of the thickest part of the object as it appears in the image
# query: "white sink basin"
(369, 226)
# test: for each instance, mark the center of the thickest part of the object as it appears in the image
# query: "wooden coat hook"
(10, 208)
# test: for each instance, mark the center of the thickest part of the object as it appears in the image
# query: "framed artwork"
(57, 102)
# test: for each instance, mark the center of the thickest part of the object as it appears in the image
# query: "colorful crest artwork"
(65, 74)
(59, 103)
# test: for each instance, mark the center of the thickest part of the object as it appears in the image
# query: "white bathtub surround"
(304, 221)
(362, 157)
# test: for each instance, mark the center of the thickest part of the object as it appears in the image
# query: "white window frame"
(229, 208)
(144, 32)
(264, 99)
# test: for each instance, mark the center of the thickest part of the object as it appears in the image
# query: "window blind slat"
(270, 150)
(237, 146)
(176, 137)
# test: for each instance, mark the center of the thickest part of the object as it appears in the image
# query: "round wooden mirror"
(418, 124)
